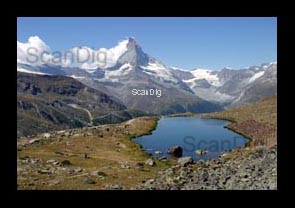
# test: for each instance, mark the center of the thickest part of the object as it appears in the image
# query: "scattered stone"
(102, 174)
(46, 135)
(60, 153)
(33, 141)
(78, 170)
(60, 132)
(66, 163)
(224, 154)
(150, 162)
(53, 183)
(54, 162)
(114, 186)
(201, 152)
(254, 169)
(44, 171)
(89, 181)
(163, 158)
(124, 166)
(70, 171)
(140, 166)
(184, 161)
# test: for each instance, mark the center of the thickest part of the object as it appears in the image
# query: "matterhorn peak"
(134, 54)
(132, 44)
(131, 40)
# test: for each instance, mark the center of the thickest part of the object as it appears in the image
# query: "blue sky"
(187, 43)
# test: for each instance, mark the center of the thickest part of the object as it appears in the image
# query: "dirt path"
(84, 109)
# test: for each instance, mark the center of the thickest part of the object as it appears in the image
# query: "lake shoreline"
(191, 134)
(249, 168)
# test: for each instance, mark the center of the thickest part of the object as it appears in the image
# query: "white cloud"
(36, 52)
(88, 58)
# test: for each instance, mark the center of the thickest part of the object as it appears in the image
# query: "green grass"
(105, 160)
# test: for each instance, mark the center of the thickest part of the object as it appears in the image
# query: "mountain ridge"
(131, 67)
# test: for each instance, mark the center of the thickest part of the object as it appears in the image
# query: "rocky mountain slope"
(46, 103)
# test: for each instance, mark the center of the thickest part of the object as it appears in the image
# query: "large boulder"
(175, 151)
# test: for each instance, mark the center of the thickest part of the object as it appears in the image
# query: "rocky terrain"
(249, 169)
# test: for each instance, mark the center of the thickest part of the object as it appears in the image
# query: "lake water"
(191, 133)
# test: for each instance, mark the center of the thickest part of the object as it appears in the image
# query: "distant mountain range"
(197, 90)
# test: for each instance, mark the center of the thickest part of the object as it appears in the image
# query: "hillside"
(46, 103)
(257, 121)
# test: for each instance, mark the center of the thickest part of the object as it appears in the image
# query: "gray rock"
(44, 171)
(124, 166)
(89, 181)
(114, 186)
(163, 158)
(78, 170)
(184, 161)
(54, 162)
(150, 162)
(46, 135)
(34, 141)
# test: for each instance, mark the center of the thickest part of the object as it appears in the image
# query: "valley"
(105, 157)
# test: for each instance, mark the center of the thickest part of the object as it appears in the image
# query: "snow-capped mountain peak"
(134, 55)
